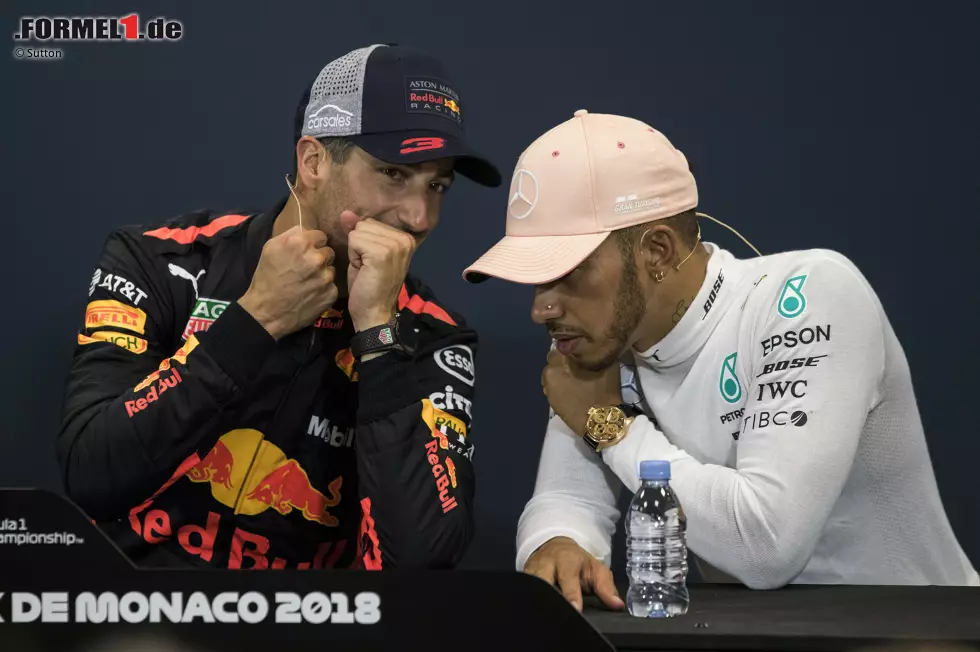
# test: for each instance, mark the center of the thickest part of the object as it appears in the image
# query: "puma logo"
(180, 272)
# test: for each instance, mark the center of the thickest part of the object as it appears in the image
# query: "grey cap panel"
(337, 96)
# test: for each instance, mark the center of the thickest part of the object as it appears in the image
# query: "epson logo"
(457, 361)
(790, 339)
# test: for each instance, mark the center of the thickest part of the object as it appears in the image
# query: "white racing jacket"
(784, 403)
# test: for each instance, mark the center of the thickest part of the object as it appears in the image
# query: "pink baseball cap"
(576, 184)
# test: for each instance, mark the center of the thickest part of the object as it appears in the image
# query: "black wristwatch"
(386, 337)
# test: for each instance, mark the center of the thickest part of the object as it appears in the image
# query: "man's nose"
(545, 306)
(414, 215)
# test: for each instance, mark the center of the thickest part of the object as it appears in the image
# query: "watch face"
(605, 423)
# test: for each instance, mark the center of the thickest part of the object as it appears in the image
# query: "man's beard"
(628, 311)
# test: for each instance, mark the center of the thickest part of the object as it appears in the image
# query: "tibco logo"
(765, 419)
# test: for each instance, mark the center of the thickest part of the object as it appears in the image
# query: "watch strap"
(375, 340)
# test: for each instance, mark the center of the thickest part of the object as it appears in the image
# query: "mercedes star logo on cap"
(525, 195)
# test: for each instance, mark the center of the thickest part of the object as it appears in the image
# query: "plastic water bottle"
(656, 547)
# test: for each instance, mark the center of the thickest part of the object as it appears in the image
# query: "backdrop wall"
(850, 126)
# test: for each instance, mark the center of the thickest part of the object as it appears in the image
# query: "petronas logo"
(731, 389)
(792, 303)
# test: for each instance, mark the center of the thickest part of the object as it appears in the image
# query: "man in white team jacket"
(775, 386)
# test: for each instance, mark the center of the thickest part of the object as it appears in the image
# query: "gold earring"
(659, 276)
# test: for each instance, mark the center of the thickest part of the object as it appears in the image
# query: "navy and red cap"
(396, 103)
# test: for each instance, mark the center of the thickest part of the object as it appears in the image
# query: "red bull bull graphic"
(251, 475)
(215, 467)
(345, 360)
(180, 356)
(369, 551)
(288, 487)
(451, 468)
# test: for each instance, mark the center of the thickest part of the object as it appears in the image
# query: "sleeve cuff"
(238, 344)
(529, 545)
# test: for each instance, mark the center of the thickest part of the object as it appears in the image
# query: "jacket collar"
(259, 232)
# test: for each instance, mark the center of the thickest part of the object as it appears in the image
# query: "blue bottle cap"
(654, 470)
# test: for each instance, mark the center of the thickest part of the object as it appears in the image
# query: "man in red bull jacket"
(273, 389)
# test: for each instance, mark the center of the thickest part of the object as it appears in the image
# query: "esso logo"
(457, 361)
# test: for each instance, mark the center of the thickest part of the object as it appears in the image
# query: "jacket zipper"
(275, 418)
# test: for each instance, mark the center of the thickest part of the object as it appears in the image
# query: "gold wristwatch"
(608, 425)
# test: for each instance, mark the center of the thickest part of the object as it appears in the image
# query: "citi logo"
(629, 204)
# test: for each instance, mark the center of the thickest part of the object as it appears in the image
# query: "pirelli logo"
(131, 343)
(107, 312)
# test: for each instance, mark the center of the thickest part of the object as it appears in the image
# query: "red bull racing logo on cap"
(431, 95)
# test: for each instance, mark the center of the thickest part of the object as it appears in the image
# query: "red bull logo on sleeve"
(180, 356)
(439, 471)
(333, 319)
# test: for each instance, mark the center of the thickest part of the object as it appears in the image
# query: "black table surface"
(731, 617)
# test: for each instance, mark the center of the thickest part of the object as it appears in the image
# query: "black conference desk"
(730, 617)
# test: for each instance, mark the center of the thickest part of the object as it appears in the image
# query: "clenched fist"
(379, 259)
(571, 391)
(293, 283)
(563, 563)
